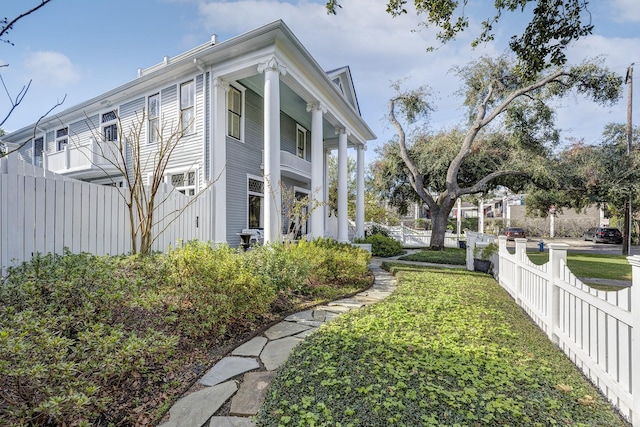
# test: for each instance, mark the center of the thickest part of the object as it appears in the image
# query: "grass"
(601, 266)
(448, 348)
(452, 256)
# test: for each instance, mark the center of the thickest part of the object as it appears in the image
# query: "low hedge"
(382, 246)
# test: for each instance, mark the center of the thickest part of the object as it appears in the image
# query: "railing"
(95, 155)
(598, 330)
(412, 238)
(291, 162)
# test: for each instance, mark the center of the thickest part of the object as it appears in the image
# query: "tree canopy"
(553, 24)
(508, 137)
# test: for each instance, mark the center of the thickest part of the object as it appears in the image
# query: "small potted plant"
(481, 257)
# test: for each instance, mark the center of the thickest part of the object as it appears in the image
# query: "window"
(184, 182)
(110, 126)
(38, 148)
(301, 141)
(62, 138)
(235, 113)
(187, 102)
(256, 200)
(154, 118)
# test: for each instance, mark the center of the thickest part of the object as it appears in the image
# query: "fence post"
(635, 338)
(521, 252)
(471, 245)
(502, 251)
(557, 257)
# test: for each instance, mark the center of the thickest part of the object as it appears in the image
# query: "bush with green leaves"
(213, 287)
(334, 263)
(382, 246)
(448, 348)
(62, 351)
(282, 266)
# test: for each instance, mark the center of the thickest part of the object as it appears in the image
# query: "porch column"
(218, 160)
(326, 208)
(481, 216)
(343, 184)
(272, 197)
(317, 196)
(360, 191)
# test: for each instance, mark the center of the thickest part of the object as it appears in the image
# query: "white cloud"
(54, 68)
(626, 10)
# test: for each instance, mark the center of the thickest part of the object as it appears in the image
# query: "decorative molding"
(218, 82)
(346, 131)
(311, 106)
(272, 64)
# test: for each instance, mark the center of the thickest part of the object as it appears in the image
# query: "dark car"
(603, 235)
(515, 232)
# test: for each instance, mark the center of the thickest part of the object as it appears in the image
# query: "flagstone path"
(245, 375)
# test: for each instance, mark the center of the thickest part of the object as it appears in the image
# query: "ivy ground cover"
(448, 348)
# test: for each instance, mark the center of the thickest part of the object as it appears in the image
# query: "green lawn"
(448, 348)
(600, 266)
(453, 256)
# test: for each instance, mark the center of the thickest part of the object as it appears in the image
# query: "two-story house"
(257, 112)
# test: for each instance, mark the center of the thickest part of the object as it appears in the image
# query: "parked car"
(603, 235)
(515, 232)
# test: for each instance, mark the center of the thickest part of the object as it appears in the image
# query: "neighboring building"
(257, 110)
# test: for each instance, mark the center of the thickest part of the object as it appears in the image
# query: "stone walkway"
(245, 375)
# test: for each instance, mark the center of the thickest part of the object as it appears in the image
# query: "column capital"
(314, 106)
(345, 131)
(272, 64)
(361, 147)
(218, 82)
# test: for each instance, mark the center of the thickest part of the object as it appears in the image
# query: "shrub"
(62, 352)
(213, 287)
(281, 266)
(334, 262)
(382, 246)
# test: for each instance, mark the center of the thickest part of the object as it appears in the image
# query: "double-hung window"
(110, 126)
(38, 148)
(234, 105)
(187, 106)
(301, 142)
(153, 116)
(62, 138)
(256, 201)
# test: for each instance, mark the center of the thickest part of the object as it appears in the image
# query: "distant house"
(260, 112)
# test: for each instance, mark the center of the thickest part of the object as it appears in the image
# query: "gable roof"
(342, 78)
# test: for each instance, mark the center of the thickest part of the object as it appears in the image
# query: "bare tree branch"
(9, 24)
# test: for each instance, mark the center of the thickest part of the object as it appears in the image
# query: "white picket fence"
(41, 212)
(412, 238)
(598, 330)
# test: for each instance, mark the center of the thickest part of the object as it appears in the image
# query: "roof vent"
(166, 60)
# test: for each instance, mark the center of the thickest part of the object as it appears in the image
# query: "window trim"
(104, 125)
(241, 90)
(150, 132)
(177, 171)
(192, 127)
(35, 150)
(62, 139)
(254, 193)
(304, 131)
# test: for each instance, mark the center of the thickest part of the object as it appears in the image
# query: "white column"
(317, 170)
(481, 216)
(343, 184)
(326, 207)
(272, 197)
(360, 191)
(218, 160)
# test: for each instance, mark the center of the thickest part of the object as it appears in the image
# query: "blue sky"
(83, 48)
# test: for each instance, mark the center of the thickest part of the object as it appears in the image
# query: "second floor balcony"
(93, 160)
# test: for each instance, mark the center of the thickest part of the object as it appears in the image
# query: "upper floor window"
(235, 113)
(187, 106)
(110, 126)
(154, 117)
(184, 182)
(38, 148)
(301, 141)
(62, 138)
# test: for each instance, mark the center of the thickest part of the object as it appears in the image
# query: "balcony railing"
(289, 162)
(83, 159)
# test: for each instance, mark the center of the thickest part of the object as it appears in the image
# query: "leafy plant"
(382, 246)
(485, 252)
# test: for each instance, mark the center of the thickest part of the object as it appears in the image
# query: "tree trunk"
(438, 229)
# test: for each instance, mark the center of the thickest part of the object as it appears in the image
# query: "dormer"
(341, 77)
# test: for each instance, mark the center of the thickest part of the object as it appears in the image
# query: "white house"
(259, 111)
